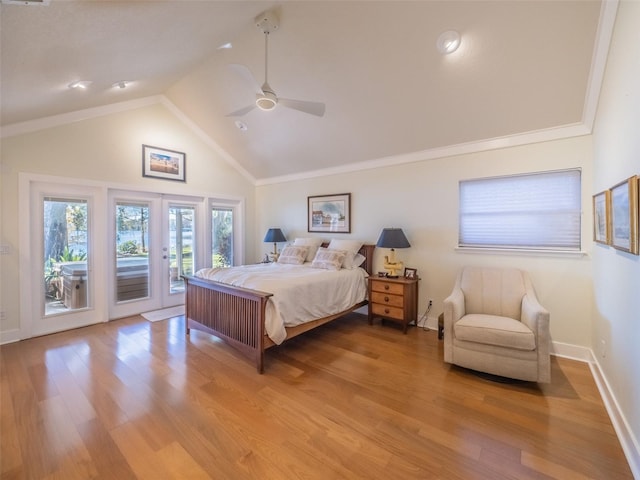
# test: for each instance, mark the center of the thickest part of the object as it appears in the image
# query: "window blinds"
(531, 211)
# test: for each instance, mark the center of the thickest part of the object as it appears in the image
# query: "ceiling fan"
(266, 98)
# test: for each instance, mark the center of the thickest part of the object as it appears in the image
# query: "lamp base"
(393, 269)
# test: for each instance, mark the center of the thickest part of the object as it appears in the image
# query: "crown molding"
(604, 33)
(537, 136)
(77, 116)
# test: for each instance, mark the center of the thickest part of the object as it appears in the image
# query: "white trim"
(537, 136)
(630, 444)
(572, 352)
(77, 116)
(606, 22)
(9, 336)
(206, 138)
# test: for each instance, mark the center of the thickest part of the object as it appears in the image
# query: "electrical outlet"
(603, 348)
(3, 315)
(431, 302)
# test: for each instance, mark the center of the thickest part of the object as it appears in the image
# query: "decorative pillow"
(312, 243)
(328, 259)
(294, 255)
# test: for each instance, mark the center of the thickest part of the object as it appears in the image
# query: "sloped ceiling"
(523, 66)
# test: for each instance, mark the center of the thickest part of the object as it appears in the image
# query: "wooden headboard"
(367, 252)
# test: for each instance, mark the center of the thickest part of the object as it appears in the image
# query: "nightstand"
(394, 299)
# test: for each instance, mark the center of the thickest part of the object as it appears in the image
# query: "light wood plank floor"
(134, 399)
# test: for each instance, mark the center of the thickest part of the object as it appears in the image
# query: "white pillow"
(328, 259)
(294, 255)
(312, 243)
(356, 262)
(353, 246)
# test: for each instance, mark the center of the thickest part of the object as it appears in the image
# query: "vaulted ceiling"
(522, 67)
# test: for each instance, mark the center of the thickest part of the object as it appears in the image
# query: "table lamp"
(274, 235)
(392, 238)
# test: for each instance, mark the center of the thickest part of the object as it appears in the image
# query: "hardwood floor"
(134, 399)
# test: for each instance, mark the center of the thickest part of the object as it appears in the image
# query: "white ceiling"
(523, 66)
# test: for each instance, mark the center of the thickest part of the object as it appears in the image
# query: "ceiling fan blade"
(314, 108)
(241, 112)
(245, 73)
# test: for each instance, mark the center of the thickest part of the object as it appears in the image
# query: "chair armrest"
(536, 317)
(454, 310)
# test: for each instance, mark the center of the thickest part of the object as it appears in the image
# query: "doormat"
(163, 314)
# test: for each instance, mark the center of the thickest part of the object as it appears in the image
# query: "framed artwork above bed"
(329, 213)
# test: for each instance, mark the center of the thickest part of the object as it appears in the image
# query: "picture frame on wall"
(602, 217)
(624, 215)
(163, 163)
(329, 213)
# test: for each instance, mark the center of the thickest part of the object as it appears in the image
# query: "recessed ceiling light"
(241, 126)
(448, 42)
(80, 84)
(225, 46)
(121, 84)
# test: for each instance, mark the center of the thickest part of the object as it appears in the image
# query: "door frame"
(32, 191)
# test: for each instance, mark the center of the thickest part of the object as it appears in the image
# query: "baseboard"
(572, 352)
(629, 443)
(9, 336)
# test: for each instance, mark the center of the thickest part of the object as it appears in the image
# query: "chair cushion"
(494, 330)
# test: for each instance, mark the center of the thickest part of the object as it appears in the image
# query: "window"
(531, 211)
(66, 247)
(221, 237)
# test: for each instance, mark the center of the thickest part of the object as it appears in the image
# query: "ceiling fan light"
(266, 103)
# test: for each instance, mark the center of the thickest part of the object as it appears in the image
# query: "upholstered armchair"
(493, 323)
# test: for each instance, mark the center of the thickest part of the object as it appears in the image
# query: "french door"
(60, 285)
(155, 239)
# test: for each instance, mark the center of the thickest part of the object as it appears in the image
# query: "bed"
(238, 315)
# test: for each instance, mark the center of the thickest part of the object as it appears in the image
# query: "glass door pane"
(181, 246)
(221, 237)
(66, 240)
(132, 251)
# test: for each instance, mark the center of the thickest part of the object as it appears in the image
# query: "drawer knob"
(386, 310)
(386, 287)
(386, 299)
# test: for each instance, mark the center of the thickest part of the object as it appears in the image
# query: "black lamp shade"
(392, 238)
(274, 235)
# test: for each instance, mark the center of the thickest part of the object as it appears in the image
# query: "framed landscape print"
(602, 217)
(329, 213)
(163, 163)
(624, 215)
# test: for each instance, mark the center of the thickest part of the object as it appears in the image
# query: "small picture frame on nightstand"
(410, 273)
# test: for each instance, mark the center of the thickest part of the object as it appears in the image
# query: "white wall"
(107, 149)
(422, 199)
(616, 279)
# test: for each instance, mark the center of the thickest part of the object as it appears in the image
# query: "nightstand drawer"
(387, 311)
(387, 287)
(387, 299)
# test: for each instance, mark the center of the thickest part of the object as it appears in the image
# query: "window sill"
(522, 251)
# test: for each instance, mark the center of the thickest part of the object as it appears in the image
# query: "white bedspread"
(300, 293)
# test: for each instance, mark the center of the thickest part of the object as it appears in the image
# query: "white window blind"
(531, 211)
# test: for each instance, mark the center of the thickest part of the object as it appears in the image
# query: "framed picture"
(602, 217)
(329, 213)
(624, 215)
(163, 163)
(410, 273)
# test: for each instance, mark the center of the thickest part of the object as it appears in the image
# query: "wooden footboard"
(234, 314)
(237, 315)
